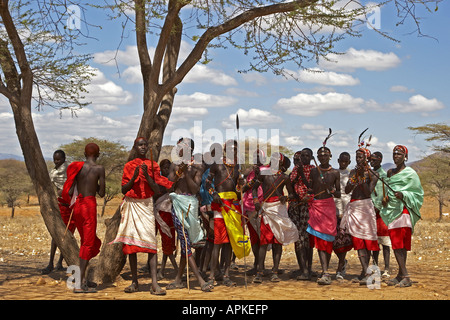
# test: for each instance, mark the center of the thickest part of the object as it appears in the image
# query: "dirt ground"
(25, 244)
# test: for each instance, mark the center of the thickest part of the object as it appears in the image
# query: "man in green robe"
(401, 210)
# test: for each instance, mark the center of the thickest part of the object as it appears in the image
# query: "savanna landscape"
(25, 245)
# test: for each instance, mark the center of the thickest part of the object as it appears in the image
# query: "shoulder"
(389, 173)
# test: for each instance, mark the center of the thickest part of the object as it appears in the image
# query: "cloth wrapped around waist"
(233, 221)
(359, 219)
(163, 203)
(181, 203)
(322, 221)
(276, 215)
(137, 226)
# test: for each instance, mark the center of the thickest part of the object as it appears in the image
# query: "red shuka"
(141, 189)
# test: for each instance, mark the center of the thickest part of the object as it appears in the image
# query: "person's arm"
(336, 190)
(127, 186)
(147, 177)
(102, 183)
(212, 191)
(256, 185)
(351, 182)
(193, 179)
(292, 195)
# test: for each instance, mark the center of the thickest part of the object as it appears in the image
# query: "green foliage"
(14, 182)
(436, 132)
(60, 74)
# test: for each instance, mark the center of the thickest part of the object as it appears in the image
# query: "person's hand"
(241, 181)
(136, 172)
(385, 201)
(216, 198)
(399, 195)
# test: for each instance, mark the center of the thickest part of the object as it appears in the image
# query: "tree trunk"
(152, 127)
(111, 259)
(12, 212)
(38, 172)
(18, 90)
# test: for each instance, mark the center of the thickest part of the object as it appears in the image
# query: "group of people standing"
(225, 211)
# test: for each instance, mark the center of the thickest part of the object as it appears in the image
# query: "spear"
(242, 209)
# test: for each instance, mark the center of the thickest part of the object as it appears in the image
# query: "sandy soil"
(25, 243)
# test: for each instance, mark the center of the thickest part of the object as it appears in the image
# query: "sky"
(377, 83)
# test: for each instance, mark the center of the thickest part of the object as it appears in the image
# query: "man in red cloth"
(137, 229)
(325, 184)
(84, 181)
(359, 217)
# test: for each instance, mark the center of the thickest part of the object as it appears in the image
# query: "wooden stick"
(185, 242)
(67, 227)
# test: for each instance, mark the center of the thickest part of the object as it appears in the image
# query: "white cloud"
(310, 105)
(199, 99)
(53, 130)
(257, 78)
(184, 114)
(293, 141)
(400, 88)
(202, 73)
(417, 103)
(353, 59)
(128, 57)
(241, 92)
(326, 78)
(252, 118)
(102, 91)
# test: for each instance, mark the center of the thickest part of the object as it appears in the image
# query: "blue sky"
(377, 84)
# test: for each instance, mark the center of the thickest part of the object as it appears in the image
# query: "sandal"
(228, 282)
(274, 278)
(174, 285)
(84, 289)
(393, 282)
(258, 278)
(132, 288)
(404, 283)
(207, 287)
(158, 292)
(324, 280)
(304, 276)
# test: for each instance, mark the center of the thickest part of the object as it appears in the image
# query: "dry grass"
(25, 244)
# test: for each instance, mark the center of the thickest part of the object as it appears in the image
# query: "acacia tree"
(37, 62)
(439, 132)
(38, 68)
(434, 175)
(274, 33)
(14, 182)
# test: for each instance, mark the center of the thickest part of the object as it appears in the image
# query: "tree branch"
(141, 39)
(227, 26)
(19, 50)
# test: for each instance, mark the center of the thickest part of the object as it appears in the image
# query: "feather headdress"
(328, 137)
(362, 145)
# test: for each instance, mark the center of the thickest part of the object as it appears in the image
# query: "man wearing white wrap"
(359, 218)
(276, 226)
